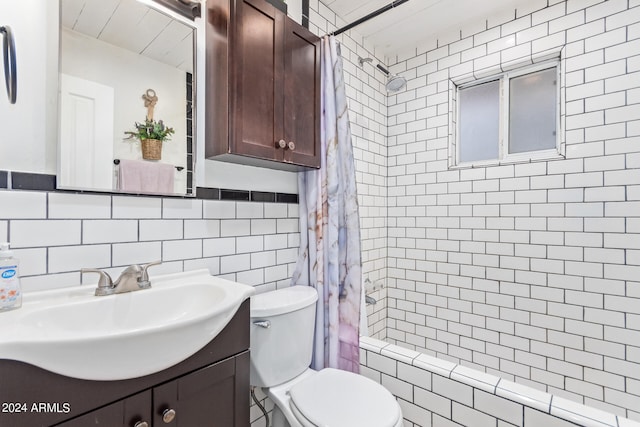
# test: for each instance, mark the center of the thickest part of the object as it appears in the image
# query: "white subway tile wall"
(254, 243)
(526, 271)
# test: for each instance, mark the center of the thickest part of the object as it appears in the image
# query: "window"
(509, 117)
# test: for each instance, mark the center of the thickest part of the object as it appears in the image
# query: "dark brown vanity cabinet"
(209, 389)
(263, 87)
(204, 398)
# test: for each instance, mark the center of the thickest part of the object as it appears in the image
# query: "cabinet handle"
(281, 144)
(9, 59)
(168, 415)
(291, 145)
(141, 424)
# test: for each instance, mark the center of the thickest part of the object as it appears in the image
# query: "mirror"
(123, 63)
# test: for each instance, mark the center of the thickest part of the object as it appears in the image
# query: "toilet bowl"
(281, 346)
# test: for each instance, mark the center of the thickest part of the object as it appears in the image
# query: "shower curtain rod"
(369, 16)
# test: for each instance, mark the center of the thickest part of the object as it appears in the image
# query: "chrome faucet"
(133, 278)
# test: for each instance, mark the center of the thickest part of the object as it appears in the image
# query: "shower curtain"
(330, 258)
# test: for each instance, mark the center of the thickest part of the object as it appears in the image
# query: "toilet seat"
(337, 398)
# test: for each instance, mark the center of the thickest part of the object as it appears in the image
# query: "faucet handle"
(105, 283)
(144, 282)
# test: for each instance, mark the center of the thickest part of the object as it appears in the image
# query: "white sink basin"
(74, 333)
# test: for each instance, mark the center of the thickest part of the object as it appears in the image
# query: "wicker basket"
(151, 149)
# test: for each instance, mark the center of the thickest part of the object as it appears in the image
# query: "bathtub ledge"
(486, 382)
(586, 415)
(438, 366)
(559, 407)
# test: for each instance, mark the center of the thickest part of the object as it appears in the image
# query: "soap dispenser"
(10, 292)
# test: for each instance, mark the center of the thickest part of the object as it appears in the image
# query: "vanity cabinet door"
(302, 95)
(130, 412)
(256, 113)
(215, 396)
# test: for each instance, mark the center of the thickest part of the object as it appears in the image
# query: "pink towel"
(145, 176)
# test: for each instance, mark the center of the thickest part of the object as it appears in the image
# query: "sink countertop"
(72, 332)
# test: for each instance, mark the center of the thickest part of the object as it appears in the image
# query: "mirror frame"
(188, 8)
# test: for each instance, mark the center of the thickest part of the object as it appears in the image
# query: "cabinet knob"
(291, 145)
(141, 424)
(168, 415)
(281, 144)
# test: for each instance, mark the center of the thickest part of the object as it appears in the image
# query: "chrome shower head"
(395, 83)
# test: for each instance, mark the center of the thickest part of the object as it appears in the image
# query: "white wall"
(294, 10)
(528, 271)
(28, 128)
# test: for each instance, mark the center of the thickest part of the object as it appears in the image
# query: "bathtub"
(439, 393)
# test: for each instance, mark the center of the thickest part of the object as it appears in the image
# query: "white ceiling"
(408, 25)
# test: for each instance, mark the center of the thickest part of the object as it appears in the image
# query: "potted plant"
(151, 134)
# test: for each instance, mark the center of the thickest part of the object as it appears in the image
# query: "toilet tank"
(281, 351)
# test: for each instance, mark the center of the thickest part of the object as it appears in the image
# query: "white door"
(86, 134)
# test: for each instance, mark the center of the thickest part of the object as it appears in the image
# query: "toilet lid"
(337, 398)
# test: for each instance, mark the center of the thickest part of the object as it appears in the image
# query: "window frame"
(504, 99)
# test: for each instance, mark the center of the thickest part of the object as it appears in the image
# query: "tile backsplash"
(55, 234)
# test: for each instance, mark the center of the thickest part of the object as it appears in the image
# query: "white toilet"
(281, 347)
